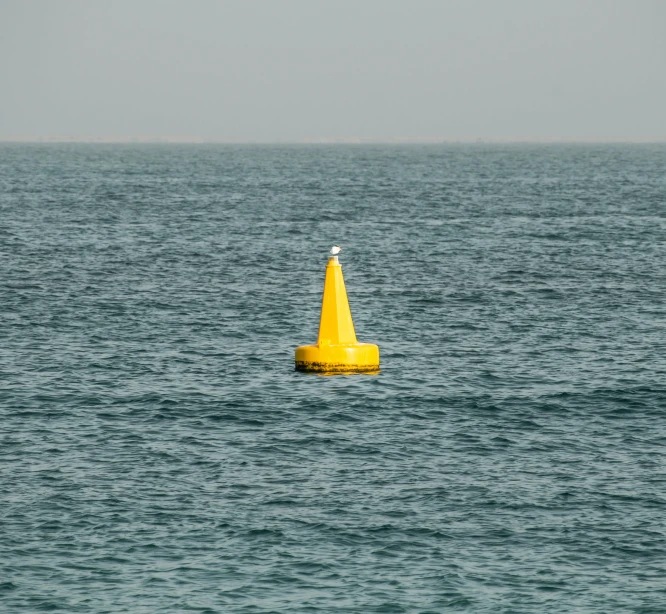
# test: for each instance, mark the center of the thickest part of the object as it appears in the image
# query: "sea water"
(159, 454)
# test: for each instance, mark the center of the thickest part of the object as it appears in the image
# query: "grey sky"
(292, 70)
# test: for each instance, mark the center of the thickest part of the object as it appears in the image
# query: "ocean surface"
(159, 454)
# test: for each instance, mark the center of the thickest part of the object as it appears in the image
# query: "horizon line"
(349, 140)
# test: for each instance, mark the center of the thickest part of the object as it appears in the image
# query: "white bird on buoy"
(335, 250)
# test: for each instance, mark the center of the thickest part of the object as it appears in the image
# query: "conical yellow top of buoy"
(337, 349)
(335, 325)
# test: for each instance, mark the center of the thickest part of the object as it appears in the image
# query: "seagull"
(335, 250)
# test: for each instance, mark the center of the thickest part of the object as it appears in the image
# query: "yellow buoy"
(337, 349)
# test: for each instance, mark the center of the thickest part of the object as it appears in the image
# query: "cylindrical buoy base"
(344, 358)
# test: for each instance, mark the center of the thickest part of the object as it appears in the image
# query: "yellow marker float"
(336, 350)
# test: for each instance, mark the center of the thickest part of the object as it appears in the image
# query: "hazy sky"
(291, 70)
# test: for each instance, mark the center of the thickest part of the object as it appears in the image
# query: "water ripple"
(160, 454)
